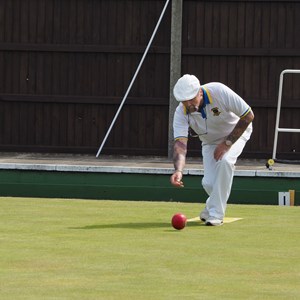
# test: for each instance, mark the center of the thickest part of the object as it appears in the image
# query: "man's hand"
(176, 179)
(220, 150)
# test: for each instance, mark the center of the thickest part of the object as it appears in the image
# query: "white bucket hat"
(186, 88)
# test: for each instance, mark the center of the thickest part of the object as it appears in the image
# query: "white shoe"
(212, 221)
(204, 215)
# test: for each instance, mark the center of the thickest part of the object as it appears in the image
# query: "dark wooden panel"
(83, 125)
(246, 45)
(89, 22)
(78, 74)
(65, 66)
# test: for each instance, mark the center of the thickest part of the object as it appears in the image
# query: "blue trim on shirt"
(205, 101)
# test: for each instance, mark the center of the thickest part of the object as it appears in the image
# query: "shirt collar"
(206, 100)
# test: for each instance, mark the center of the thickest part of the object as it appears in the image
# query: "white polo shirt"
(222, 110)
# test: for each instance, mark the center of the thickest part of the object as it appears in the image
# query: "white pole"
(134, 77)
(277, 128)
(278, 115)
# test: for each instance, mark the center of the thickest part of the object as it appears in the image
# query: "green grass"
(81, 249)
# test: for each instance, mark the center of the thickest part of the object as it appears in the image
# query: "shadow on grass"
(133, 226)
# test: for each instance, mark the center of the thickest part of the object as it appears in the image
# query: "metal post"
(277, 115)
(277, 128)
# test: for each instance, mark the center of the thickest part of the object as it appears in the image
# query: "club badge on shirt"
(215, 111)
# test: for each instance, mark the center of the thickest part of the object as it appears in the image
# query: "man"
(222, 121)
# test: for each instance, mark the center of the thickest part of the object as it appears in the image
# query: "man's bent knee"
(208, 186)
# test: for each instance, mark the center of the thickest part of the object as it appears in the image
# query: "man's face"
(194, 104)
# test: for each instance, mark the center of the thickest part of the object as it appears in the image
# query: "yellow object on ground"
(226, 220)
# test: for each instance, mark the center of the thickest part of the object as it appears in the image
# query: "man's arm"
(179, 155)
(240, 127)
(236, 133)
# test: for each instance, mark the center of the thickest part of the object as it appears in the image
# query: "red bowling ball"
(179, 221)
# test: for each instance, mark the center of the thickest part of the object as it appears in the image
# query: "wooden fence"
(66, 64)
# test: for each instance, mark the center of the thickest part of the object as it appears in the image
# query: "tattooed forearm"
(240, 127)
(180, 150)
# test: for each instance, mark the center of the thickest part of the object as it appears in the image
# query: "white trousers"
(218, 176)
